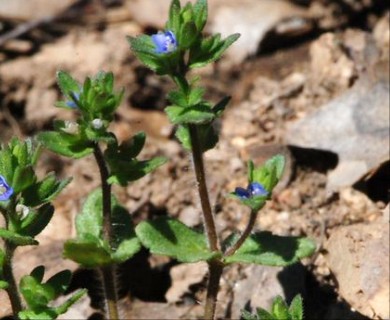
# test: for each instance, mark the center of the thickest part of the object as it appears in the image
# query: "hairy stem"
(12, 289)
(215, 273)
(244, 235)
(106, 193)
(107, 272)
(197, 157)
(109, 286)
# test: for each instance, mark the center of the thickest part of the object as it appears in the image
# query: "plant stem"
(12, 289)
(244, 235)
(109, 286)
(107, 272)
(215, 273)
(197, 157)
(215, 266)
(106, 193)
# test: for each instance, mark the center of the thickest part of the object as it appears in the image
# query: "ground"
(311, 82)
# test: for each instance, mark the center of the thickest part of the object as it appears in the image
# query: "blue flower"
(5, 190)
(254, 189)
(70, 103)
(165, 42)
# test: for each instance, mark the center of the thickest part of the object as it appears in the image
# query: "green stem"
(107, 272)
(197, 157)
(244, 235)
(215, 273)
(12, 289)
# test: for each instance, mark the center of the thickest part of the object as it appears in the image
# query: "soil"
(288, 79)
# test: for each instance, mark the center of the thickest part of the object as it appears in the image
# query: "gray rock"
(354, 125)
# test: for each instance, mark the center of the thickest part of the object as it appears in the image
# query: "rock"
(32, 9)
(351, 127)
(183, 276)
(358, 256)
(190, 216)
(253, 19)
(257, 286)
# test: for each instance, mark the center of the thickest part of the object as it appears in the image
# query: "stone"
(358, 256)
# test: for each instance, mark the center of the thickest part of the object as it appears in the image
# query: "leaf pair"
(170, 237)
(279, 311)
(90, 249)
(38, 295)
(124, 167)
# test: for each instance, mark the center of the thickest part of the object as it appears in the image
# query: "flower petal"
(257, 189)
(165, 42)
(5, 190)
(242, 193)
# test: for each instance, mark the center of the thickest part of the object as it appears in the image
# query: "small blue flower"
(70, 103)
(5, 190)
(254, 189)
(165, 42)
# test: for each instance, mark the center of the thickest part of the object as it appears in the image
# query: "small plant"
(279, 311)
(25, 203)
(174, 52)
(105, 234)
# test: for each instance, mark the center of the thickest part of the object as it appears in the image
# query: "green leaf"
(200, 14)
(3, 285)
(296, 308)
(37, 273)
(173, 23)
(246, 315)
(221, 105)
(67, 84)
(87, 253)
(183, 135)
(90, 221)
(17, 239)
(195, 96)
(264, 248)
(35, 293)
(65, 144)
(44, 191)
(36, 221)
(280, 308)
(59, 282)
(90, 249)
(128, 149)
(38, 295)
(255, 202)
(123, 172)
(126, 242)
(69, 302)
(188, 35)
(197, 114)
(178, 98)
(165, 236)
(23, 178)
(144, 48)
(208, 136)
(270, 173)
(210, 50)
